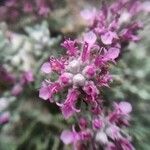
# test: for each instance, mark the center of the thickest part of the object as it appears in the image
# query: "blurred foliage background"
(27, 42)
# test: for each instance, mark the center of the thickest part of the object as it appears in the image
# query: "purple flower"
(66, 78)
(75, 138)
(43, 8)
(28, 7)
(57, 65)
(111, 54)
(69, 45)
(90, 38)
(108, 37)
(121, 113)
(88, 14)
(47, 91)
(113, 132)
(27, 77)
(124, 107)
(17, 89)
(70, 137)
(4, 118)
(83, 123)
(46, 67)
(125, 144)
(91, 89)
(97, 123)
(89, 41)
(89, 71)
(68, 107)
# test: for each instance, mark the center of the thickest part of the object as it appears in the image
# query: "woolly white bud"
(74, 66)
(79, 80)
(125, 17)
(101, 137)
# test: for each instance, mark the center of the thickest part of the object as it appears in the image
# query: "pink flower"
(83, 123)
(89, 41)
(69, 45)
(91, 89)
(121, 113)
(75, 138)
(66, 78)
(104, 80)
(126, 145)
(17, 89)
(88, 14)
(108, 37)
(69, 137)
(68, 107)
(89, 71)
(27, 77)
(46, 68)
(57, 64)
(97, 123)
(28, 7)
(90, 38)
(47, 91)
(113, 132)
(43, 8)
(111, 54)
(4, 118)
(124, 107)
(86, 135)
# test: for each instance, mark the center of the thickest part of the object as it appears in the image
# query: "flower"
(71, 137)
(27, 77)
(107, 38)
(80, 70)
(4, 118)
(46, 91)
(46, 68)
(91, 90)
(17, 89)
(121, 113)
(68, 107)
(69, 45)
(85, 70)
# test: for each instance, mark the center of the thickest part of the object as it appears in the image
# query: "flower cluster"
(11, 10)
(116, 24)
(85, 70)
(105, 131)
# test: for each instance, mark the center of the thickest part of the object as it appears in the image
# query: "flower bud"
(97, 123)
(83, 123)
(89, 71)
(101, 137)
(79, 80)
(66, 78)
(74, 66)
